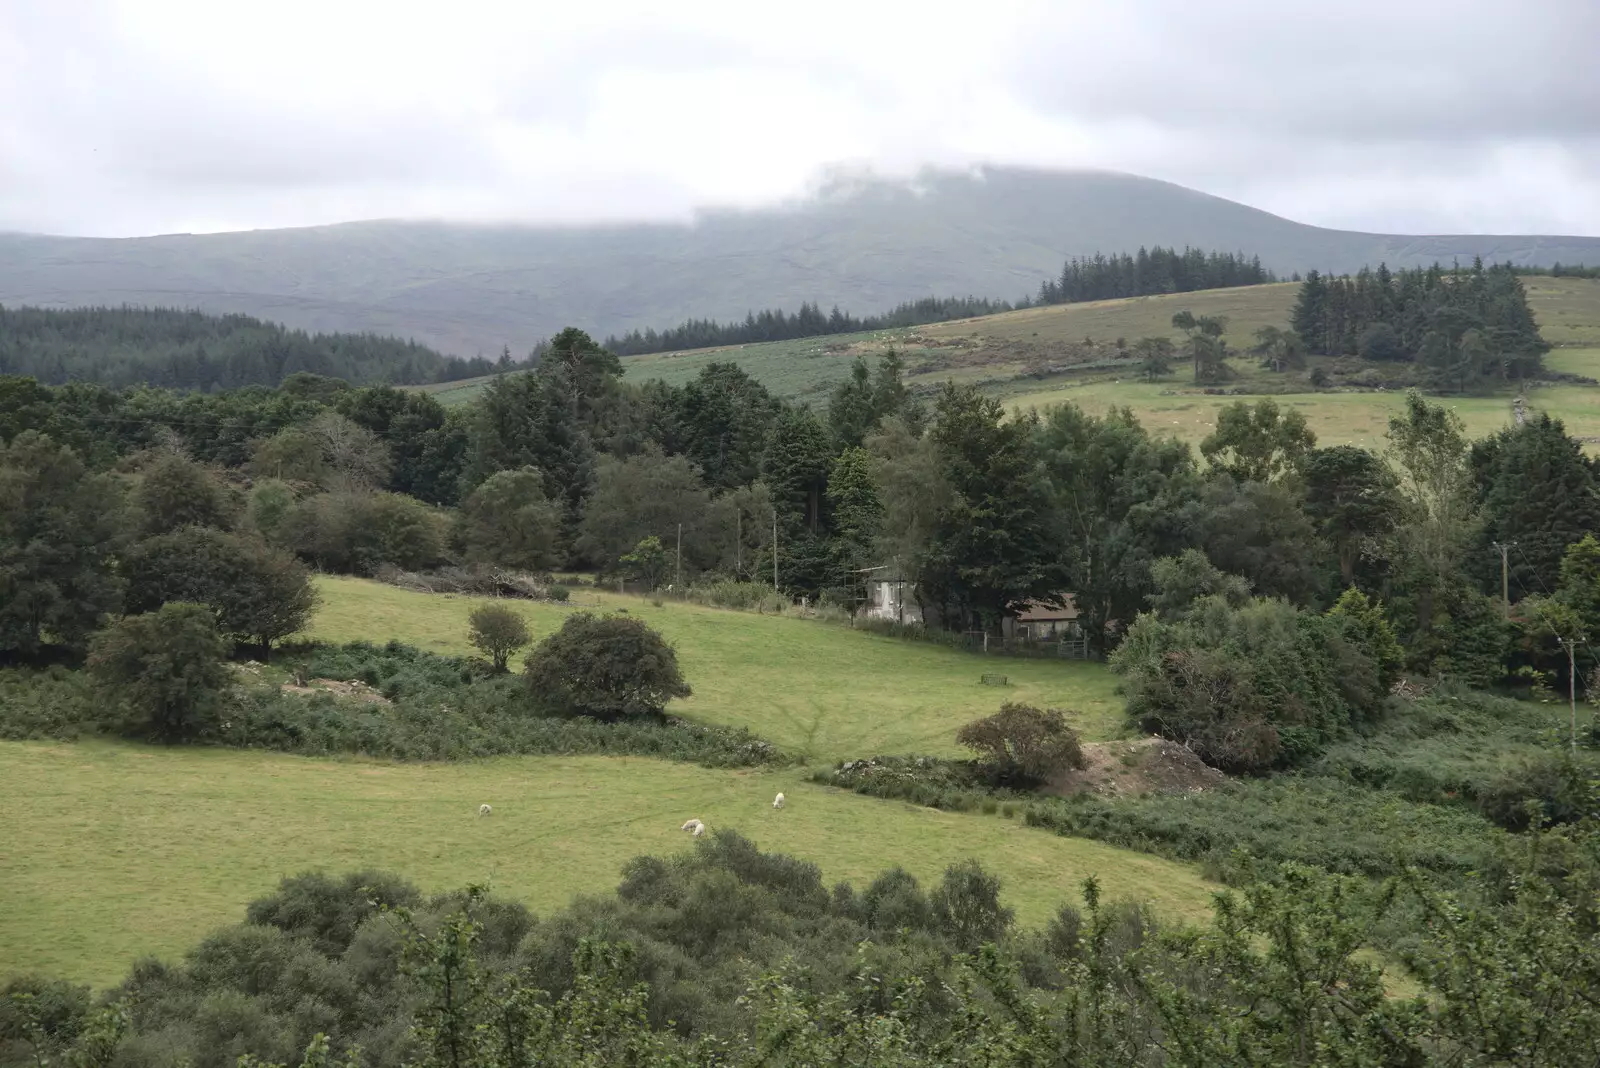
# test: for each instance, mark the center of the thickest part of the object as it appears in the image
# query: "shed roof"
(1039, 612)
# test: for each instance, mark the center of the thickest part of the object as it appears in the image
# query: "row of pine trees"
(774, 324)
(1461, 326)
(178, 349)
(1151, 271)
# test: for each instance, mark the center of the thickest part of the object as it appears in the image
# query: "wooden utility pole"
(774, 550)
(1571, 645)
(738, 542)
(1505, 574)
(677, 580)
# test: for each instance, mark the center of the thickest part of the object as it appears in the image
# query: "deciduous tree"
(609, 667)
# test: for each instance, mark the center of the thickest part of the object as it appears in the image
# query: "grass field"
(1338, 418)
(819, 690)
(114, 851)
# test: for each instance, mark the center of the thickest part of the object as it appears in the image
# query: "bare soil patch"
(355, 690)
(1143, 766)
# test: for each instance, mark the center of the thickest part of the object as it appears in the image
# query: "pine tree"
(1537, 489)
(59, 527)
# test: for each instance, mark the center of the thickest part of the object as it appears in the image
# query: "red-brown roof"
(1038, 612)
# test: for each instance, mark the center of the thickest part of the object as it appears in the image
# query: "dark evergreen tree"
(1352, 499)
(59, 528)
(1537, 489)
(992, 548)
(1116, 501)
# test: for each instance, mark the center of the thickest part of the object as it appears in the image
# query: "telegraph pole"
(1572, 686)
(1505, 573)
(738, 542)
(774, 550)
(677, 582)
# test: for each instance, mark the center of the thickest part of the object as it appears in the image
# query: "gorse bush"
(418, 706)
(165, 670)
(730, 957)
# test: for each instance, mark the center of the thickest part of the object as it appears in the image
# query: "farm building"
(1041, 622)
(891, 596)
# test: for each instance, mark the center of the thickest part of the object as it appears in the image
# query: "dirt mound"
(354, 690)
(1144, 766)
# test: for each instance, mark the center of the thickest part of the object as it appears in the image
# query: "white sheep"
(484, 810)
(777, 802)
(692, 825)
(699, 829)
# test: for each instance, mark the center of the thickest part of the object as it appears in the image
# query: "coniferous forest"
(1149, 272)
(1461, 327)
(1098, 277)
(178, 349)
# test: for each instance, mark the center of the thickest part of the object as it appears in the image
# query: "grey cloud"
(1419, 70)
(1401, 115)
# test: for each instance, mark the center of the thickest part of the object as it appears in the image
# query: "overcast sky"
(129, 117)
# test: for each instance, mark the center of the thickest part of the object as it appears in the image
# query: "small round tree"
(609, 667)
(1021, 743)
(165, 668)
(497, 632)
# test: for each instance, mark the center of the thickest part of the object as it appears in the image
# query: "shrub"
(1247, 685)
(558, 592)
(508, 520)
(1022, 744)
(609, 667)
(647, 563)
(175, 492)
(359, 532)
(258, 593)
(1368, 627)
(164, 667)
(497, 631)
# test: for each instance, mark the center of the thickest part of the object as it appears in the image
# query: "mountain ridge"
(469, 288)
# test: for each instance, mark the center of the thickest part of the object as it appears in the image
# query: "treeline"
(1149, 272)
(1461, 326)
(728, 957)
(809, 321)
(1561, 270)
(1183, 564)
(191, 350)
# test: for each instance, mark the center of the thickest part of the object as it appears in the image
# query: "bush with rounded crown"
(609, 667)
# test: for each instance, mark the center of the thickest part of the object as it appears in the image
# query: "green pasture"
(820, 690)
(116, 851)
(1567, 309)
(1177, 408)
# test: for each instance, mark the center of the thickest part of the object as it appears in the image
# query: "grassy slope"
(1568, 311)
(820, 690)
(114, 851)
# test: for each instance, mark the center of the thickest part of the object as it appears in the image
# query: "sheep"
(699, 829)
(777, 802)
(692, 825)
(484, 810)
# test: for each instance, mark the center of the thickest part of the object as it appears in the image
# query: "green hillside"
(866, 246)
(87, 892)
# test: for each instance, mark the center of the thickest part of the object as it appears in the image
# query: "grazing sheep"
(692, 825)
(484, 810)
(699, 829)
(777, 802)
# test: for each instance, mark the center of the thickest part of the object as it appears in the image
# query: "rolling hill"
(469, 289)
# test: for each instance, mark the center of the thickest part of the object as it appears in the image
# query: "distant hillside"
(190, 350)
(866, 247)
